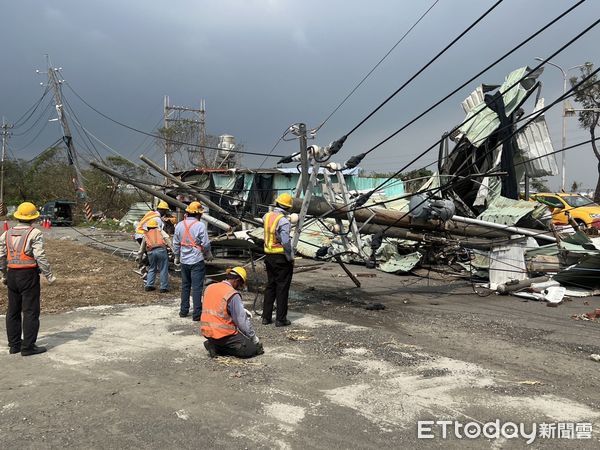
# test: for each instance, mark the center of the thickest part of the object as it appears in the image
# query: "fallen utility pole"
(170, 200)
(203, 198)
(400, 219)
(466, 242)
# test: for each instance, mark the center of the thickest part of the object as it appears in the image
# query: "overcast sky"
(264, 64)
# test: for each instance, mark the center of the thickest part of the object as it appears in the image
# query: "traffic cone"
(5, 227)
(45, 223)
(48, 223)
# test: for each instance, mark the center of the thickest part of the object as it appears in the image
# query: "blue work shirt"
(238, 315)
(191, 255)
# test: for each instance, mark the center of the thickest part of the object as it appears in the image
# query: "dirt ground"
(87, 276)
(342, 376)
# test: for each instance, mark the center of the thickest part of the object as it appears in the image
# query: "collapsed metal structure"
(470, 208)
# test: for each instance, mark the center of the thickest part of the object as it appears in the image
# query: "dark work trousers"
(23, 298)
(279, 279)
(235, 345)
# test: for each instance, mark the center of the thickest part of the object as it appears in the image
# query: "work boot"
(282, 323)
(210, 348)
(183, 314)
(15, 349)
(266, 321)
(149, 288)
(33, 350)
(164, 291)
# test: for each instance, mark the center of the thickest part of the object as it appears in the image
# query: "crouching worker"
(155, 244)
(225, 323)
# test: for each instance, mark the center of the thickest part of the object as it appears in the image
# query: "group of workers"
(224, 320)
(219, 308)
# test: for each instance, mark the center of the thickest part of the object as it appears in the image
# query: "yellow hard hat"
(284, 200)
(26, 211)
(152, 223)
(163, 205)
(194, 208)
(241, 272)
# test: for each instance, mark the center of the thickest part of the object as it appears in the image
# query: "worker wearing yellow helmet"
(155, 246)
(225, 323)
(279, 261)
(191, 248)
(162, 210)
(22, 258)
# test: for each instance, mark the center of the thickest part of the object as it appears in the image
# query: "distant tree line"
(49, 177)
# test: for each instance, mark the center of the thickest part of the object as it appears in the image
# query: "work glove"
(255, 340)
(248, 314)
(51, 279)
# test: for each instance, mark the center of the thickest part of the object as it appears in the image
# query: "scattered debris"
(595, 357)
(594, 315)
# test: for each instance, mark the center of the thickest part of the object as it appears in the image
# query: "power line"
(481, 72)
(22, 120)
(376, 65)
(162, 137)
(578, 36)
(431, 61)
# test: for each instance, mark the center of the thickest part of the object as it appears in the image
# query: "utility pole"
(202, 115)
(5, 134)
(55, 83)
(167, 140)
(564, 116)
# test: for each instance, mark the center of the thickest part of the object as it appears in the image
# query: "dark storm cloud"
(262, 65)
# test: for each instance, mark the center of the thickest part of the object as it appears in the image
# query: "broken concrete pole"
(203, 198)
(399, 219)
(512, 287)
(170, 200)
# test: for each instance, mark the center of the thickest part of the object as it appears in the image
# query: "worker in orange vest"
(279, 261)
(22, 258)
(162, 210)
(155, 244)
(225, 323)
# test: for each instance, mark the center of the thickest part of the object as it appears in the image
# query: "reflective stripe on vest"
(216, 322)
(154, 239)
(188, 240)
(149, 215)
(270, 222)
(15, 254)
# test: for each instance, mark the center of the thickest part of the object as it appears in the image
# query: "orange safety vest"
(272, 244)
(187, 240)
(149, 215)
(16, 242)
(216, 322)
(154, 239)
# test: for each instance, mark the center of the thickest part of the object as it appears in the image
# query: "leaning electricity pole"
(55, 83)
(5, 134)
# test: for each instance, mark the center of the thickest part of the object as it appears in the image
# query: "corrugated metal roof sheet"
(507, 211)
(534, 141)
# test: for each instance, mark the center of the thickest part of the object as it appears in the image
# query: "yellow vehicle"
(582, 209)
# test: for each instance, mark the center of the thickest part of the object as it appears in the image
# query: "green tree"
(588, 96)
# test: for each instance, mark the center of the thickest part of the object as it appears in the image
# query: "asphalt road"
(341, 376)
